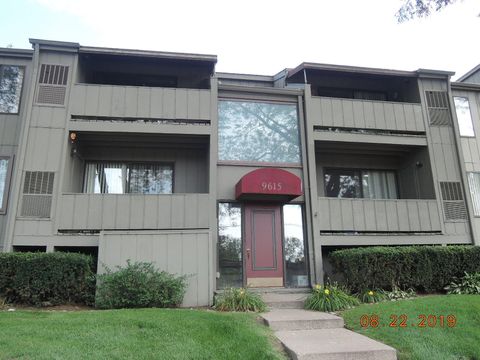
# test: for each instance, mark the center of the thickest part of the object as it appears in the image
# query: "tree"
(420, 8)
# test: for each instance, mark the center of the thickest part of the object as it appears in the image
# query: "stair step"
(294, 319)
(284, 300)
(333, 344)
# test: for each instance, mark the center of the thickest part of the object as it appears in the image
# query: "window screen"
(464, 116)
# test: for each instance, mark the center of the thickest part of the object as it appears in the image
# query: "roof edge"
(149, 53)
(16, 53)
(465, 86)
(55, 45)
(469, 73)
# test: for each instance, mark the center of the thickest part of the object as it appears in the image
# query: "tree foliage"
(420, 8)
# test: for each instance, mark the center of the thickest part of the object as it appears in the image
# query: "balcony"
(140, 102)
(329, 112)
(133, 211)
(366, 215)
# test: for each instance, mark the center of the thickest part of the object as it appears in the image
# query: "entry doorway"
(263, 251)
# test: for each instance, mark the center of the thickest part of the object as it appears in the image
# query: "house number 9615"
(267, 185)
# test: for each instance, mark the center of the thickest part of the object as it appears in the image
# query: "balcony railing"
(140, 102)
(366, 215)
(367, 114)
(133, 211)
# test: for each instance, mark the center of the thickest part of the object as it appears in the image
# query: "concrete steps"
(294, 319)
(312, 335)
(277, 300)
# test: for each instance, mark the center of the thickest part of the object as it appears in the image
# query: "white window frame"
(6, 189)
(458, 118)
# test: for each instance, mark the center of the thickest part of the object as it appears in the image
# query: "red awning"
(269, 184)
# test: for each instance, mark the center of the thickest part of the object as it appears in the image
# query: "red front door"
(263, 245)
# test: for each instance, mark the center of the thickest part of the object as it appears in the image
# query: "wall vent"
(438, 108)
(52, 84)
(37, 194)
(453, 202)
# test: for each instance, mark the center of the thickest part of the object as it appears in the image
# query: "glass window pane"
(230, 260)
(150, 179)
(296, 274)
(464, 116)
(11, 79)
(342, 183)
(474, 183)
(3, 180)
(105, 178)
(258, 132)
(379, 185)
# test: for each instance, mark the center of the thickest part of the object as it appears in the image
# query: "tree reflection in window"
(230, 246)
(11, 78)
(258, 132)
(342, 184)
(296, 274)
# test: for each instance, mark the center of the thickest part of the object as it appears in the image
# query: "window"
(230, 261)
(349, 183)
(474, 183)
(258, 132)
(122, 178)
(4, 180)
(11, 79)
(464, 116)
(295, 262)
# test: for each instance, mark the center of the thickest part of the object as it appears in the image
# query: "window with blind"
(353, 183)
(474, 184)
(4, 176)
(128, 178)
(464, 117)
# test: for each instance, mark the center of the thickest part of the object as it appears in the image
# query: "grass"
(461, 342)
(134, 334)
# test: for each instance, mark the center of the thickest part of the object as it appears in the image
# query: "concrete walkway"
(309, 335)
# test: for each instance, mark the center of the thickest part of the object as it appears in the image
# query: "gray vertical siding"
(366, 114)
(140, 102)
(178, 252)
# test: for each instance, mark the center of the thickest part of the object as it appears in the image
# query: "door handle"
(248, 253)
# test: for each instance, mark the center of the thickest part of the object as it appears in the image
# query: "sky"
(255, 36)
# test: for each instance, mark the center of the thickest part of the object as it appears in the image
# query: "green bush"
(139, 285)
(329, 298)
(469, 284)
(239, 299)
(43, 279)
(371, 296)
(423, 268)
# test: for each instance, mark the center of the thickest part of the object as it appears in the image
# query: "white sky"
(263, 37)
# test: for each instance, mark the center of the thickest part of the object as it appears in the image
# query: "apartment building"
(232, 179)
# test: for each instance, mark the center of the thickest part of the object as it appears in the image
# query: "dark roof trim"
(16, 53)
(260, 90)
(55, 45)
(465, 86)
(469, 73)
(249, 77)
(368, 71)
(148, 53)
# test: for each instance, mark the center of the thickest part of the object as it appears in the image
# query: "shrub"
(423, 268)
(139, 285)
(239, 299)
(399, 294)
(469, 284)
(43, 279)
(329, 298)
(371, 296)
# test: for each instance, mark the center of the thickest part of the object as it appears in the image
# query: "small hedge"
(43, 279)
(139, 285)
(424, 268)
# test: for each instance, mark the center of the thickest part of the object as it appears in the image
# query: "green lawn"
(437, 343)
(134, 334)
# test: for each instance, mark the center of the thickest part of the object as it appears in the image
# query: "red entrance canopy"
(269, 184)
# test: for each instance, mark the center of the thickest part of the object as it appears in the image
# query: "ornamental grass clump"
(239, 299)
(371, 296)
(329, 298)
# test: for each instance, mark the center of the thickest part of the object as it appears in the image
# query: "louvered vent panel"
(52, 84)
(37, 194)
(453, 203)
(438, 108)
